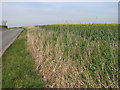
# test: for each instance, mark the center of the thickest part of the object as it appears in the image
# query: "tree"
(4, 22)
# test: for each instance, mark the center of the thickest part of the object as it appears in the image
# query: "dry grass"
(63, 62)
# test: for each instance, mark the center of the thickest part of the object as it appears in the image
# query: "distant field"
(80, 55)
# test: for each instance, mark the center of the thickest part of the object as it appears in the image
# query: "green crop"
(92, 48)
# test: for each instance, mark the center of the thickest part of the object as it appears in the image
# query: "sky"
(37, 13)
(60, 0)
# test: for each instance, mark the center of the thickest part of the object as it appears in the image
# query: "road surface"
(7, 37)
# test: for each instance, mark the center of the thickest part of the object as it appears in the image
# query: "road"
(7, 37)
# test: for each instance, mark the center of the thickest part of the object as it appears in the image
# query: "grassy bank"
(18, 69)
(83, 55)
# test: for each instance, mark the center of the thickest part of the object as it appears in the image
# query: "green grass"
(2, 28)
(18, 69)
(16, 27)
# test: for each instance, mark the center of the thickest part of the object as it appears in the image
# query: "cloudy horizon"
(36, 13)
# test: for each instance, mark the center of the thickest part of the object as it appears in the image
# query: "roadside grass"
(16, 27)
(18, 69)
(2, 28)
(76, 55)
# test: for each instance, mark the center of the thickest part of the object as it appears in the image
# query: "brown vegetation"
(61, 69)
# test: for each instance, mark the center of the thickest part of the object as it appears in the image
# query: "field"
(75, 55)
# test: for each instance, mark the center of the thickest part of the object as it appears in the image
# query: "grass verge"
(18, 66)
(2, 28)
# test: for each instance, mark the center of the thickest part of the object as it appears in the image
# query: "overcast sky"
(34, 13)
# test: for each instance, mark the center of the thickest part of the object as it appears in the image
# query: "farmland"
(75, 55)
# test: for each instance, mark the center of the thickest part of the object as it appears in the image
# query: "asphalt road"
(7, 37)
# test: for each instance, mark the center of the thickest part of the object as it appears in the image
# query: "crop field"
(75, 55)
